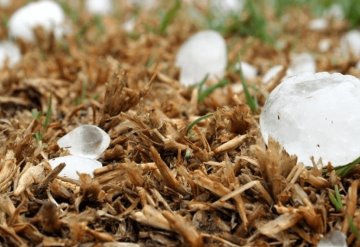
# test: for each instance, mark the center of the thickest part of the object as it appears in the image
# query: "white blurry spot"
(129, 25)
(324, 45)
(10, 53)
(146, 4)
(75, 164)
(203, 53)
(237, 87)
(318, 24)
(99, 7)
(4, 3)
(333, 239)
(315, 115)
(335, 11)
(272, 73)
(86, 140)
(358, 66)
(350, 43)
(225, 7)
(301, 63)
(46, 13)
(249, 71)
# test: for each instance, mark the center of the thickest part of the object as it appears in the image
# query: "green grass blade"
(250, 100)
(343, 171)
(48, 113)
(196, 121)
(206, 92)
(169, 16)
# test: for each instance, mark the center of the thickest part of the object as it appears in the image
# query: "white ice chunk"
(9, 52)
(318, 24)
(357, 65)
(146, 4)
(272, 73)
(301, 63)
(315, 115)
(75, 164)
(46, 13)
(86, 140)
(4, 3)
(335, 11)
(249, 71)
(203, 53)
(225, 7)
(350, 43)
(129, 25)
(99, 7)
(324, 45)
(333, 239)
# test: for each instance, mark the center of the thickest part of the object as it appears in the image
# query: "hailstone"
(4, 3)
(333, 239)
(74, 164)
(350, 43)
(86, 141)
(45, 13)
(301, 63)
(272, 73)
(9, 52)
(315, 115)
(99, 7)
(249, 71)
(225, 7)
(202, 54)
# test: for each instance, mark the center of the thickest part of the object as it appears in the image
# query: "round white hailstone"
(9, 52)
(249, 71)
(350, 43)
(75, 164)
(47, 14)
(129, 25)
(333, 239)
(335, 11)
(318, 24)
(86, 140)
(272, 73)
(99, 7)
(203, 53)
(301, 63)
(324, 45)
(315, 115)
(146, 4)
(225, 7)
(4, 3)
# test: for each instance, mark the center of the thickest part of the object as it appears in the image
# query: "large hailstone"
(87, 141)
(74, 164)
(350, 43)
(315, 115)
(202, 54)
(99, 7)
(9, 53)
(46, 14)
(301, 63)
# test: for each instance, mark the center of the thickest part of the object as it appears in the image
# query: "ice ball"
(46, 14)
(9, 52)
(99, 7)
(350, 43)
(86, 141)
(315, 115)
(202, 54)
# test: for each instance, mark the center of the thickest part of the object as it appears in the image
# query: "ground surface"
(163, 182)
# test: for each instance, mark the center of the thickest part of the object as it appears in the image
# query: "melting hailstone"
(87, 141)
(350, 44)
(315, 115)
(301, 63)
(75, 164)
(249, 71)
(46, 14)
(272, 73)
(333, 239)
(99, 7)
(9, 53)
(203, 53)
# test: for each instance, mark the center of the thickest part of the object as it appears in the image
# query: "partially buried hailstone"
(46, 14)
(9, 53)
(202, 54)
(350, 44)
(301, 63)
(315, 115)
(86, 140)
(74, 164)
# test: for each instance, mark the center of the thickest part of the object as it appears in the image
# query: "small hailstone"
(9, 52)
(358, 66)
(272, 73)
(333, 239)
(324, 45)
(99, 7)
(318, 24)
(47, 14)
(203, 53)
(75, 164)
(301, 63)
(315, 115)
(249, 71)
(86, 140)
(227, 6)
(335, 11)
(350, 43)
(129, 25)
(146, 4)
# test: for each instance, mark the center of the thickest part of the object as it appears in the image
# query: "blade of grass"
(250, 100)
(206, 92)
(353, 228)
(343, 171)
(196, 121)
(169, 16)
(48, 113)
(336, 199)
